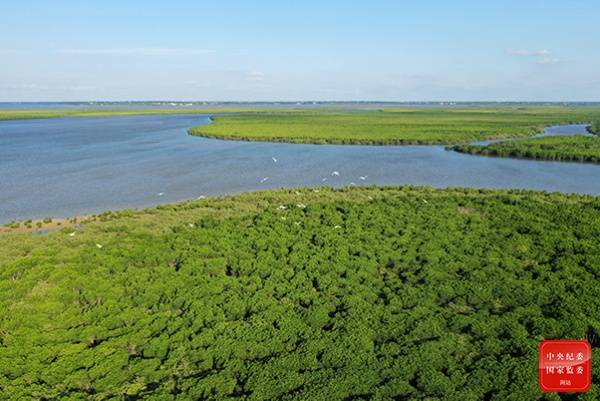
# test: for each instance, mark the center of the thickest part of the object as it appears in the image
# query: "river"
(73, 166)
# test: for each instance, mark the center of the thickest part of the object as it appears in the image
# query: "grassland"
(359, 293)
(557, 148)
(393, 126)
(57, 113)
(356, 126)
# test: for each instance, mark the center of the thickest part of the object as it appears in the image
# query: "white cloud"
(541, 57)
(548, 60)
(33, 87)
(139, 51)
(257, 75)
(25, 86)
(530, 53)
(79, 88)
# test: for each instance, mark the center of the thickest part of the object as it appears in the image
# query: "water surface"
(72, 166)
(557, 130)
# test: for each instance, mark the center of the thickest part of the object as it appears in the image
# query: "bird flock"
(263, 180)
(334, 174)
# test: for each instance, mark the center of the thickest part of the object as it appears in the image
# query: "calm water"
(65, 167)
(558, 130)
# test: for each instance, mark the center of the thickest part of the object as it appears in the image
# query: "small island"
(393, 126)
(556, 148)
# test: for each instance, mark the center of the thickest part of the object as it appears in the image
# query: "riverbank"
(31, 114)
(90, 165)
(585, 149)
(393, 126)
(253, 294)
(381, 126)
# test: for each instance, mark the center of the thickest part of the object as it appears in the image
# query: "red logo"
(565, 366)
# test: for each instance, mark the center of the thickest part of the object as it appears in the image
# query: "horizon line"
(298, 101)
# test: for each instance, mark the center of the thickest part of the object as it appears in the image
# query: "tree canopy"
(373, 293)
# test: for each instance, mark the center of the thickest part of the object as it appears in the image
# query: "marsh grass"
(58, 113)
(393, 126)
(585, 149)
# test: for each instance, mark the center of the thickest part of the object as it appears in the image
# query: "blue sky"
(310, 50)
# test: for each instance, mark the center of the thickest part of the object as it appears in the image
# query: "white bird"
(274, 159)
(353, 184)
(191, 225)
(424, 201)
(370, 197)
(301, 206)
(282, 207)
(363, 177)
(264, 179)
(336, 227)
(201, 197)
(297, 223)
(324, 179)
(335, 173)
(297, 193)
(72, 234)
(160, 194)
(98, 246)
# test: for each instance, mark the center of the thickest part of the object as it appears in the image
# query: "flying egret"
(363, 177)
(264, 179)
(335, 174)
(160, 194)
(98, 246)
(274, 159)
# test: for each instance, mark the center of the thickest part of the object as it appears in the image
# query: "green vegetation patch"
(559, 148)
(393, 293)
(393, 126)
(28, 114)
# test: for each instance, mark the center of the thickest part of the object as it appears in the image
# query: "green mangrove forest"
(375, 126)
(390, 126)
(395, 293)
(554, 148)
